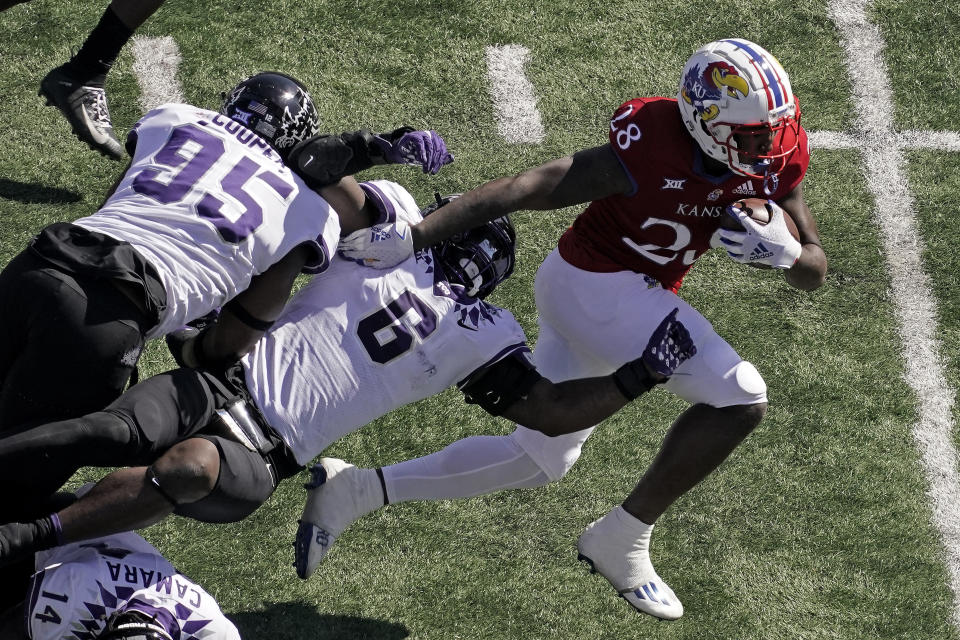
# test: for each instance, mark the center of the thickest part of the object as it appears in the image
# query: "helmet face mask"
(478, 259)
(736, 101)
(276, 107)
(133, 625)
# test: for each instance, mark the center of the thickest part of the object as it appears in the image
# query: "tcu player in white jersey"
(657, 189)
(109, 588)
(117, 587)
(352, 345)
(208, 215)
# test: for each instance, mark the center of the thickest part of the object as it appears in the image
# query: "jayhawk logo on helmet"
(706, 84)
(733, 91)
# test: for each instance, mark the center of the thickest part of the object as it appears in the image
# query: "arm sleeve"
(324, 159)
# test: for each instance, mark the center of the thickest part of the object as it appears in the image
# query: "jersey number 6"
(388, 333)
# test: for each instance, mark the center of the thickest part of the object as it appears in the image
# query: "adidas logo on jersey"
(760, 252)
(746, 189)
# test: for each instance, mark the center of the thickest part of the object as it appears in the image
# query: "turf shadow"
(298, 620)
(35, 193)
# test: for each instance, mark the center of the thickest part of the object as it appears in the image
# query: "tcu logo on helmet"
(295, 127)
(276, 107)
(707, 84)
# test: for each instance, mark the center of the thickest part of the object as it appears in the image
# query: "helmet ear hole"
(703, 127)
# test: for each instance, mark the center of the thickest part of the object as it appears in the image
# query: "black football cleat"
(85, 108)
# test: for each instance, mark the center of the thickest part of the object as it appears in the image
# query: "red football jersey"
(668, 220)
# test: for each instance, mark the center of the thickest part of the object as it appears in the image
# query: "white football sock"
(469, 467)
(630, 524)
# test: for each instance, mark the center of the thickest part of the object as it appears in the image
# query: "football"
(758, 209)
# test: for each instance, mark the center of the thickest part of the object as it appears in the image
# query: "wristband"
(633, 379)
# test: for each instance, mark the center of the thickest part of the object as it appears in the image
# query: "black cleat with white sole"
(85, 107)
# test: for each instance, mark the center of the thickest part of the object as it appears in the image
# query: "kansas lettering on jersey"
(667, 222)
(78, 587)
(210, 205)
(356, 343)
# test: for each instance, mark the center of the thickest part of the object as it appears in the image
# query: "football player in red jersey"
(657, 191)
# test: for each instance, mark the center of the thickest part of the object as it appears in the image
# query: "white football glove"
(381, 246)
(769, 244)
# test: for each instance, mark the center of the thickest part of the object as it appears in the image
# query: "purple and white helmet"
(479, 258)
(133, 624)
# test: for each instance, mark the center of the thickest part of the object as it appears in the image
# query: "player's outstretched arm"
(565, 407)
(351, 203)
(810, 270)
(324, 159)
(587, 175)
(555, 409)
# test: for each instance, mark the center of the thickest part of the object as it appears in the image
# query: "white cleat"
(615, 552)
(337, 495)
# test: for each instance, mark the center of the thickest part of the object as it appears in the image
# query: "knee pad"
(554, 455)
(107, 428)
(99, 439)
(717, 376)
(750, 382)
(181, 477)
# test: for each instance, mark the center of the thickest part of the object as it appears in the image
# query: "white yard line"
(513, 96)
(155, 62)
(937, 140)
(915, 306)
(832, 140)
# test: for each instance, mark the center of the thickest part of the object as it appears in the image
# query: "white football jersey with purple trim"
(357, 342)
(78, 586)
(209, 204)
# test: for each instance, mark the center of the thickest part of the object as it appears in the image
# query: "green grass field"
(819, 527)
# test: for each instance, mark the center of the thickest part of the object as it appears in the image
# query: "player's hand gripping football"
(381, 246)
(768, 244)
(425, 149)
(669, 346)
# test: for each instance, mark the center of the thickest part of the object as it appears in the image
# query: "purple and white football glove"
(768, 244)
(381, 246)
(425, 149)
(669, 346)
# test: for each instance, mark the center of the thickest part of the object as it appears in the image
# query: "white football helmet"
(736, 102)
